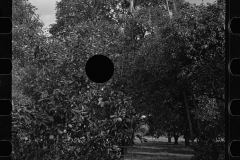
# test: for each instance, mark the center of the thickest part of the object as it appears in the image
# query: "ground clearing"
(159, 149)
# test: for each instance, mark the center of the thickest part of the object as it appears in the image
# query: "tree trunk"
(198, 122)
(168, 7)
(125, 150)
(188, 116)
(176, 139)
(176, 136)
(122, 149)
(169, 138)
(174, 5)
(186, 141)
(131, 7)
(186, 136)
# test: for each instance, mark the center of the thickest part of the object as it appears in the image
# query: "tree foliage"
(167, 68)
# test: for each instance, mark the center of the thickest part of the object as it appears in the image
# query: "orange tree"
(70, 117)
(182, 60)
(194, 50)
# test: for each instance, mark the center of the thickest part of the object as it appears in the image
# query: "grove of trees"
(169, 67)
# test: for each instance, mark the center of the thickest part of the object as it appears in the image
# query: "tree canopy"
(168, 67)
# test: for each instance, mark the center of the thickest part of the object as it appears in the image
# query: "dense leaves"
(168, 68)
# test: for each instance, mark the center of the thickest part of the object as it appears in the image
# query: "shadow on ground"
(159, 149)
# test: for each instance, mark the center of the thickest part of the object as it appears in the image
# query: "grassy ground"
(159, 149)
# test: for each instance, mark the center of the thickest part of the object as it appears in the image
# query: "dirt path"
(162, 153)
(158, 149)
